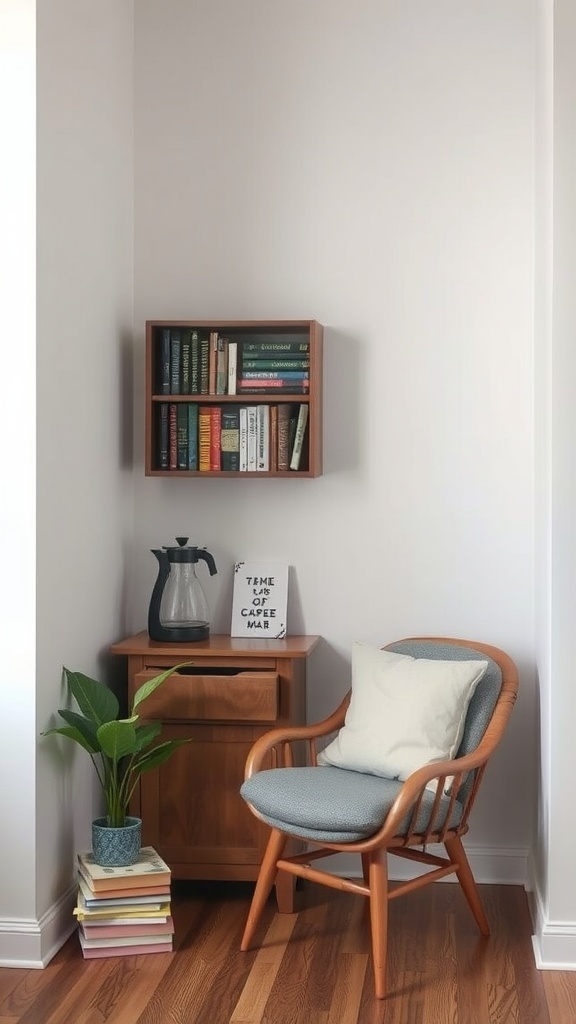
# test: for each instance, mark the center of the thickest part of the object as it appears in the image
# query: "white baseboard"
(553, 942)
(497, 865)
(30, 942)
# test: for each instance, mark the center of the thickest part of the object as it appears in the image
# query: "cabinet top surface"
(288, 647)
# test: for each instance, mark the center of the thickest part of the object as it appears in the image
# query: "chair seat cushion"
(327, 804)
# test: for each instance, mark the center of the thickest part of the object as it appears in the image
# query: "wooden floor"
(313, 967)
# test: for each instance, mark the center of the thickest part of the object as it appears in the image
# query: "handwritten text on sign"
(260, 600)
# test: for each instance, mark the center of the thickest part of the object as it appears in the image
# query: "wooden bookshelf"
(176, 371)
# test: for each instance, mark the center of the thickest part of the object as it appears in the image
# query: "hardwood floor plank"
(252, 1003)
(348, 989)
(560, 989)
(312, 967)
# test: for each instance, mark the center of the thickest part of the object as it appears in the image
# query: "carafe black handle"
(207, 557)
(154, 628)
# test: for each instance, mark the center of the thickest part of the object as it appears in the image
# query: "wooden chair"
(413, 816)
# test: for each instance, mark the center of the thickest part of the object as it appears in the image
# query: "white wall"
(370, 165)
(84, 460)
(17, 451)
(555, 894)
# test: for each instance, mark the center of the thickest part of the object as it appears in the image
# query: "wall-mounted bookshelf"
(233, 398)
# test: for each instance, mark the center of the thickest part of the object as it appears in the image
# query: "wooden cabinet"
(230, 692)
(195, 420)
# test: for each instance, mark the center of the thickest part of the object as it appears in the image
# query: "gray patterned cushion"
(327, 804)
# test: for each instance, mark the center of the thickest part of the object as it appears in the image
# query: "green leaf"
(117, 739)
(83, 725)
(146, 733)
(158, 755)
(72, 734)
(94, 699)
(148, 687)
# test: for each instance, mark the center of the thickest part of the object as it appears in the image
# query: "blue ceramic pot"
(116, 847)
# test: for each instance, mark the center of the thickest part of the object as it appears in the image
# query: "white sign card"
(260, 600)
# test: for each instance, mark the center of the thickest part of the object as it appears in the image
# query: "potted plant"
(121, 749)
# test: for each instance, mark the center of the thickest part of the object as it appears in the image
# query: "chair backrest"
(485, 698)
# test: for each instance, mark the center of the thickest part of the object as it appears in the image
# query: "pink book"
(124, 931)
(99, 951)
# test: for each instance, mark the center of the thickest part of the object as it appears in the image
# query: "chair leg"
(266, 876)
(366, 868)
(378, 879)
(457, 853)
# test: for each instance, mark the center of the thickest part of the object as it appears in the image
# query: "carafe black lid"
(182, 553)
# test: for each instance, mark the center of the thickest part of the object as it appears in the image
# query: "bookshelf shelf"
(211, 385)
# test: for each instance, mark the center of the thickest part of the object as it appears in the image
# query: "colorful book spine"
(230, 439)
(165, 362)
(204, 422)
(221, 366)
(175, 360)
(215, 435)
(243, 440)
(185, 378)
(252, 430)
(172, 436)
(271, 375)
(232, 366)
(182, 435)
(295, 362)
(284, 413)
(192, 436)
(285, 387)
(212, 362)
(204, 364)
(93, 953)
(194, 363)
(296, 456)
(276, 347)
(273, 438)
(163, 461)
(262, 438)
(125, 931)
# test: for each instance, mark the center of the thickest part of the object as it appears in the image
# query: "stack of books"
(124, 911)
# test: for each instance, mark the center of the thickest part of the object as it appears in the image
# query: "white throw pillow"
(404, 712)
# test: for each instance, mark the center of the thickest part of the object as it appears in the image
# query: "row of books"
(124, 911)
(194, 363)
(232, 438)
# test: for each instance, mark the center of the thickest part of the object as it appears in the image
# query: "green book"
(175, 360)
(185, 356)
(182, 436)
(194, 363)
(192, 436)
(230, 439)
(261, 347)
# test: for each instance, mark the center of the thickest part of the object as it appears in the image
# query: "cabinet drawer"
(242, 696)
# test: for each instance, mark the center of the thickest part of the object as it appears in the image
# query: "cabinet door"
(191, 806)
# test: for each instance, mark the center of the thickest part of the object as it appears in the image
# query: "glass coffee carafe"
(178, 610)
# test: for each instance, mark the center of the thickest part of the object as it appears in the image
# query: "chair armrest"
(408, 800)
(279, 741)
